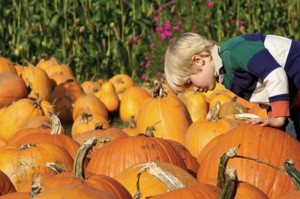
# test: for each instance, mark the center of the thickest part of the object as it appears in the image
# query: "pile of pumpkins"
(188, 145)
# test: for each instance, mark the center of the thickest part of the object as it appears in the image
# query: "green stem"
(229, 190)
(292, 172)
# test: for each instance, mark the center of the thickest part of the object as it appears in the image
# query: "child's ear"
(197, 59)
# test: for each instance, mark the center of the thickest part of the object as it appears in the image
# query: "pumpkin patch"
(138, 135)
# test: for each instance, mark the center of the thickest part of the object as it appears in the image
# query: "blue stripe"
(262, 64)
(254, 37)
(292, 67)
(285, 97)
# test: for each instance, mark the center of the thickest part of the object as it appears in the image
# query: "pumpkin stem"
(78, 170)
(36, 187)
(292, 172)
(213, 114)
(171, 181)
(132, 123)
(86, 117)
(223, 164)
(236, 105)
(229, 190)
(55, 123)
(26, 146)
(57, 168)
(104, 140)
(158, 90)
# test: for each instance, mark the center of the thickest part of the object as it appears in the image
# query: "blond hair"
(178, 57)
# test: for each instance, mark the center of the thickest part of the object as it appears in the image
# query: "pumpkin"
(196, 104)
(89, 104)
(13, 88)
(110, 100)
(54, 137)
(22, 162)
(38, 81)
(201, 132)
(193, 191)
(57, 78)
(46, 62)
(74, 191)
(166, 113)
(103, 136)
(59, 68)
(88, 122)
(130, 105)
(7, 66)
(79, 176)
(6, 186)
(121, 83)
(189, 160)
(18, 113)
(265, 144)
(90, 87)
(63, 97)
(151, 178)
(123, 152)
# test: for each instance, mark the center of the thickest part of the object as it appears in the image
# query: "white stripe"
(279, 47)
(276, 83)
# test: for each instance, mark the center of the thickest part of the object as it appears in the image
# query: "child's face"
(205, 79)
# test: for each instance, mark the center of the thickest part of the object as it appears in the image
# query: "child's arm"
(276, 122)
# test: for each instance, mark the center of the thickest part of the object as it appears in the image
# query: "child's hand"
(276, 122)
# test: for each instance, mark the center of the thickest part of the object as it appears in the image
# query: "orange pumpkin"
(73, 191)
(130, 105)
(63, 97)
(124, 152)
(202, 132)
(6, 186)
(79, 176)
(262, 143)
(89, 104)
(22, 162)
(46, 62)
(121, 83)
(88, 122)
(166, 113)
(18, 113)
(194, 191)
(57, 78)
(7, 66)
(146, 175)
(90, 87)
(12, 89)
(38, 81)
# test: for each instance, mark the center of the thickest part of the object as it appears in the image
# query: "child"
(260, 68)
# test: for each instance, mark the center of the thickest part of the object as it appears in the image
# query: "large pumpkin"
(151, 177)
(12, 89)
(166, 113)
(22, 163)
(63, 97)
(123, 152)
(262, 143)
(18, 113)
(38, 81)
(132, 99)
(7, 66)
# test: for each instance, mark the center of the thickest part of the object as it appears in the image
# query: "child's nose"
(195, 88)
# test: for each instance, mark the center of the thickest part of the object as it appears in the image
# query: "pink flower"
(168, 3)
(163, 36)
(232, 21)
(147, 64)
(159, 29)
(134, 39)
(159, 10)
(182, 30)
(168, 34)
(156, 19)
(143, 76)
(152, 47)
(142, 63)
(167, 26)
(175, 27)
(158, 73)
(209, 4)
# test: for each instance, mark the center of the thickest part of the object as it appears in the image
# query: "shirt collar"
(219, 69)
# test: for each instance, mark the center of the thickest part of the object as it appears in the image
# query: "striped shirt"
(262, 69)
